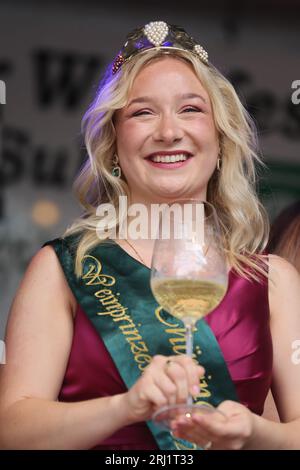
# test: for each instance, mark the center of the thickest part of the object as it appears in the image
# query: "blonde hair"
(231, 190)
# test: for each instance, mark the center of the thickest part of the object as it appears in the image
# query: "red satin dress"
(241, 327)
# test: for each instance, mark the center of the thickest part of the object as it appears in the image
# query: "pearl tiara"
(157, 35)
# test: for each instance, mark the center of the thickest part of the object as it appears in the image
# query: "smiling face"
(167, 141)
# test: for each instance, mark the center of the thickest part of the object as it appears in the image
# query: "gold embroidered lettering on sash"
(204, 391)
(116, 310)
(94, 275)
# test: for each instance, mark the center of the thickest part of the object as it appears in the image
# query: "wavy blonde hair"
(232, 190)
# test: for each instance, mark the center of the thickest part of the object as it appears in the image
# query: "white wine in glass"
(189, 277)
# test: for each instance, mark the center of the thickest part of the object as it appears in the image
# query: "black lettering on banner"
(15, 146)
(49, 167)
(62, 76)
(240, 80)
(262, 105)
(20, 159)
(270, 113)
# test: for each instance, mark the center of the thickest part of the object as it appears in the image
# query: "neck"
(149, 199)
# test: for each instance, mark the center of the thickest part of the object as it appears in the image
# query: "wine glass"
(189, 277)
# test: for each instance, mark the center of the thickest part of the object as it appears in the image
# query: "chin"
(172, 194)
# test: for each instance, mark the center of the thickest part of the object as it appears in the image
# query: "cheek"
(202, 127)
(132, 141)
(124, 141)
(127, 148)
(129, 135)
(207, 136)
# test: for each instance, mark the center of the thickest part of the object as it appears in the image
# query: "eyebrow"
(185, 96)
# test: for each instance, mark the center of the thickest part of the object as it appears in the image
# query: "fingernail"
(195, 389)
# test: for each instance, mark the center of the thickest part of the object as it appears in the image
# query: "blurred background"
(52, 54)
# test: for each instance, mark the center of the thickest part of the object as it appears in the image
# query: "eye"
(191, 109)
(141, 113)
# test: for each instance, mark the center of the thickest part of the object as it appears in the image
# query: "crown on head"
(157, 35)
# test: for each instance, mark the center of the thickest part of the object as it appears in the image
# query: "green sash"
(114, 291)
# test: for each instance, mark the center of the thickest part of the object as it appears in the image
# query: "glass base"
(164, 416)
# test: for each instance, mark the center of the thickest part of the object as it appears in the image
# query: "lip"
(170, 152)
(168, 166)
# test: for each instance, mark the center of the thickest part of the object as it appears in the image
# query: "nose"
(168, 129)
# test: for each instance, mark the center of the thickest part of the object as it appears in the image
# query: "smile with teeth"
(169, 158)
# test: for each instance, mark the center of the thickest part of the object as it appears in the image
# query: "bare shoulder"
(39, 332)
(45, 270)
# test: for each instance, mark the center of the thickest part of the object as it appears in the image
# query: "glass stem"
(189, 339)
(189, 349)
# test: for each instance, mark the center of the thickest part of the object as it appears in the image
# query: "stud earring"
(116, 170)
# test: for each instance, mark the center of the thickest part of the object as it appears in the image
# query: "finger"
(202, 439)
(196, 430)
(154, 395)
(178, 376)
(167, 387)
(210, 413)
(213, 424)
(237, 426)
(230, 408)
(169, 376)
(194, 373)
(187, 425)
